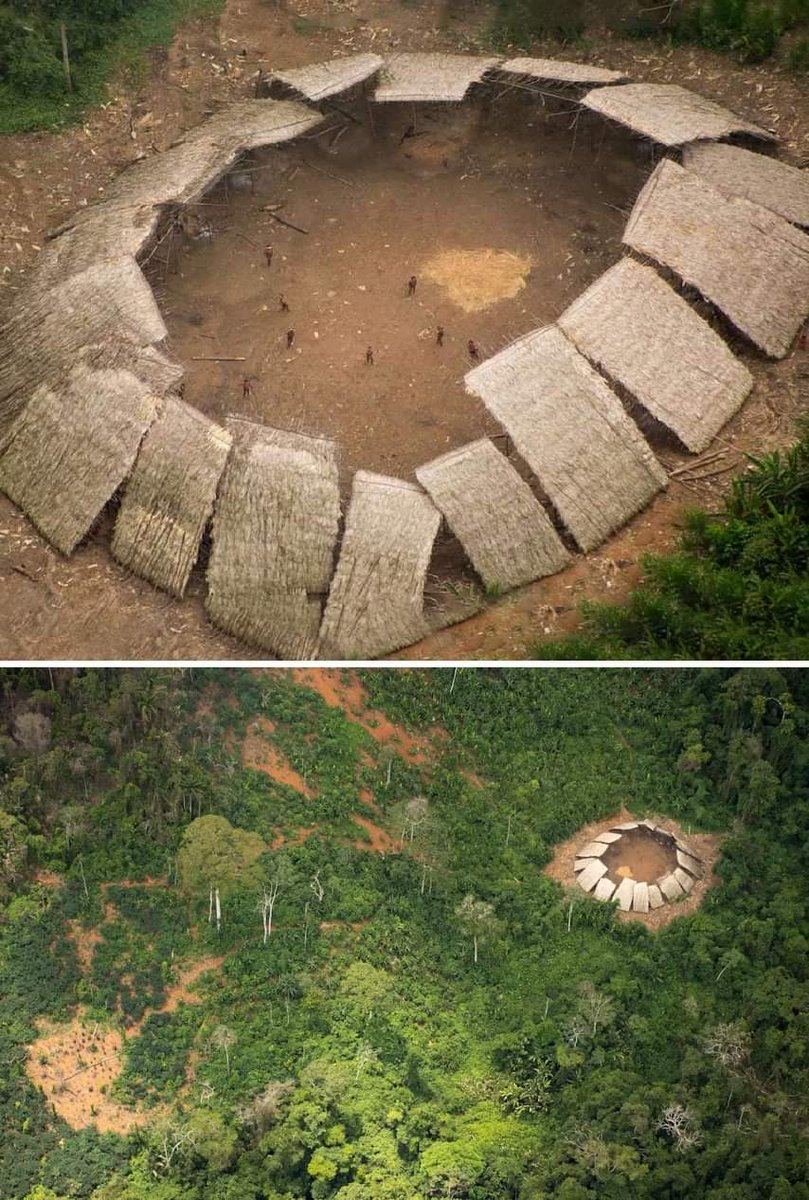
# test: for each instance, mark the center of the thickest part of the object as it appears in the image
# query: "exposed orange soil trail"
(300, 837)
(258, 753)
(343, 689)
(381, 841)
(71, 1062)
(47, 878)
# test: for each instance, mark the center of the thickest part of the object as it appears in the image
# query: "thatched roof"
(647, 338)
(169, 496)
(749, 262)
(766, 181)
(274, 530)
(556, 70)
(571, 429)
(72, 446)
(430, 77)
(316, 81)
(107, 315)
(126, 220)
(376, 602)
(669, 114)
(500, 524)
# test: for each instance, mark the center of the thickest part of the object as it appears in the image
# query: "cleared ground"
(87, 607)
(498, 211)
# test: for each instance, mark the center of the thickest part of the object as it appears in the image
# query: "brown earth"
(707, 847)
(89, 608)
(638, 856)
(261, 755)
(508, 172)
(72, 1061)
(343, 689)
(380, 840)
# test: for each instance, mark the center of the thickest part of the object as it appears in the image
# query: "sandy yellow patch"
(625, 872)
(476, 279)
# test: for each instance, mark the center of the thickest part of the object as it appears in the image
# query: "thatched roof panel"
(556, 70)
(503, 528)
(647, 338)
(316, 81)
(274, 532)
(376, 602)
(169, 496)
(71, 447)
(765, 181)
(749, 262)
(430, 77)
(125, 221)
(107, 312)
(573, 432)
(669, 114)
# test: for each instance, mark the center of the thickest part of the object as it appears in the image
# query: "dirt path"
(89, 608)
(260, 754)
(343, 689)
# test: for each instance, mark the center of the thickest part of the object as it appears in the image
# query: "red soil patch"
(80, 1059)
(47, 878)
(261, 756)
(707, 846)
(368, 797)
(300, 837)
(381, 841)
(355, 925)
(343, 689)
(182, 991)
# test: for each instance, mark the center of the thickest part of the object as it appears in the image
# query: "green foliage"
(738, 588)
(104, 37)
(358, 1051)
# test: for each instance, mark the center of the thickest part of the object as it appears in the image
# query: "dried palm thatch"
(169, 497)
(126, 220)
(556, 70)
(635, 327)
(72, 446)
(376, 602)
(669, 114)
(765, 181)
(571, 429)
(316, 81)
(419, 78)
(501, 525)
(749, 262)
(274, 531)
(105, 315)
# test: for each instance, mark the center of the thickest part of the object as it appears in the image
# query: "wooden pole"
(65, 57)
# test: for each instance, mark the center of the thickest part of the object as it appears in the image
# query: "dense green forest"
(738, 588)
(355, 1050)
(57, 55)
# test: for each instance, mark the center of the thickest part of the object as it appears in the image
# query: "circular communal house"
(638, 865)
(92, 415)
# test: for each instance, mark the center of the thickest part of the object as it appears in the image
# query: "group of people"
(247, 387)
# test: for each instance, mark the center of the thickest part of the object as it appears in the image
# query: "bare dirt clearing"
(72, 1062)
(89, 608)
(502, 228)
(706, 845)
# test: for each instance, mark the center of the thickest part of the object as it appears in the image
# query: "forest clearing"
(578, 896)
(343, 287)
